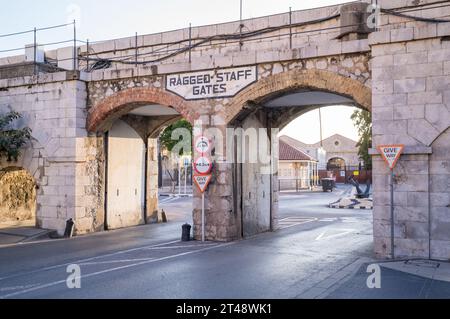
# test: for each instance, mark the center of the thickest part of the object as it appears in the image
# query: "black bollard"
(186, 232)
(68, 233)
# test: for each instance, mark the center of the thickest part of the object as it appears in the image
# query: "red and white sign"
(391, 153)
(202, 181)
(203, 165)
(202, 144)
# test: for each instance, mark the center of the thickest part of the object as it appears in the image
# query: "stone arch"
(318, 80)
(336, 162)
(118, 104)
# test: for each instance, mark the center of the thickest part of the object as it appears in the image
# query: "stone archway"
(248, 109)
(121, 103)
(313, 79)
(116, 116)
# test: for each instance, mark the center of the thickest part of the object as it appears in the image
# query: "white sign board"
(211, 84)
(203, 165)
(202, 145)
(202, 181)
(391, 153)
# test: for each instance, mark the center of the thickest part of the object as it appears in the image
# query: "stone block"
(438, 116)
(403, 34)
(440, 249)
(423, 45)
(383, 87)
(409, 85)
(443, 29)
(383, 113)
(429, 97)
(407, 247)
(422, 131)
(386, 49)
(409, 112)
(380, 37)
(425, 31)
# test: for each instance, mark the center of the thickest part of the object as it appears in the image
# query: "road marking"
(87, 259)
(289, 222)
(342, 233)
(168, 200)
(17, 287)
(114, 261)
(54, 283)
(328, 219)
(178, 247)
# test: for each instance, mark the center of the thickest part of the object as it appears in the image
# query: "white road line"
(178, 247)
(87, 259)
(114, 261)
(328, 219)
(345, 232)
(299, 223)
(111, 270)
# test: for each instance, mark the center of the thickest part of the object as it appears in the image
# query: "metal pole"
(392, 213)
(74, 45)
(290, 27)
(241, 26)
(35, 52)
(203, 217)
(190, 42)
(87, 56)
(136, 50)
(320, 122)
(185, 179)
(179, 178)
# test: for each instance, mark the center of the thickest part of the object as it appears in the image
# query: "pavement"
(409, 279)
(318, 252)
(14, 233)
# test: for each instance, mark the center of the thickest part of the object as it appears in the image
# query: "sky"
(335, 120)
(101, 20)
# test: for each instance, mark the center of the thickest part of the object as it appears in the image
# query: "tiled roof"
(291, 153)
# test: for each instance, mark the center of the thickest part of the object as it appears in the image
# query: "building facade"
(276, 69)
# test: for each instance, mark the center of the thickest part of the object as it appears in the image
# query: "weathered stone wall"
(61, 158)
(17, 196)
(439, 171)
(410, 105)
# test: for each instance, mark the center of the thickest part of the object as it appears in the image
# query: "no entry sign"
(203, 165)
(391, 153)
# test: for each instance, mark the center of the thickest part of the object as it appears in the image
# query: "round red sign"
(203, 165)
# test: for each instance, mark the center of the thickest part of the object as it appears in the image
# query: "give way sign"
(202, 181)
(391, 153)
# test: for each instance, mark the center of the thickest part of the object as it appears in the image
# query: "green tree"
(11, 139)
(363, 122)
(179, 136)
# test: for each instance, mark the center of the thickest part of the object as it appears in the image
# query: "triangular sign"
(391, 153)
(202, 181)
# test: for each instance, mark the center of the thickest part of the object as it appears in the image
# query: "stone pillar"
(152, 181)
(410, 106)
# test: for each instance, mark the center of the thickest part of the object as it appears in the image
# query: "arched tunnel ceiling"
(154, 110)
(308, 98)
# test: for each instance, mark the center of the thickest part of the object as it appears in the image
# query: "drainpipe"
(145, 178)
(105, 207)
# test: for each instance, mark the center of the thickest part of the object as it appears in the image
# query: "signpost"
(391, 154)
(203, 167)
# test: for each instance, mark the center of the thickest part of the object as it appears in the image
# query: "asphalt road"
(150, 261)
